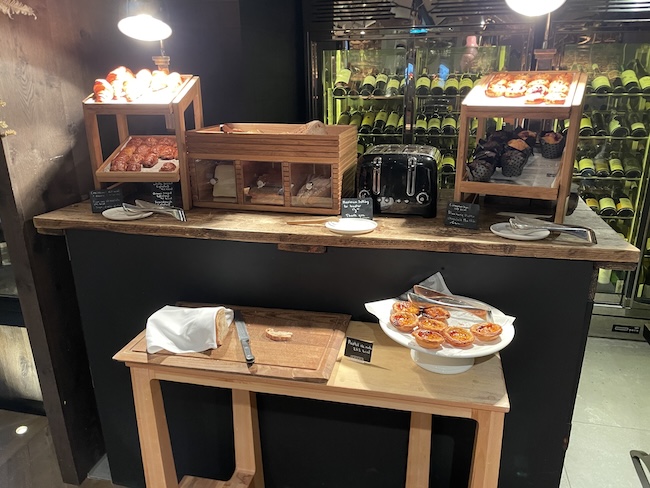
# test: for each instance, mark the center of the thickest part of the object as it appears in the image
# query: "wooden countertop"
(405, 233)
(391, 380)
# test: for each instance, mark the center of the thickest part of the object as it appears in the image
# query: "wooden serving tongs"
(310, 221)
(423, 296)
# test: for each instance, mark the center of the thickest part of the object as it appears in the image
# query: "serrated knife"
(244, 338)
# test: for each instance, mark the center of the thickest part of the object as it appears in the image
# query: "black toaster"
(400, 179)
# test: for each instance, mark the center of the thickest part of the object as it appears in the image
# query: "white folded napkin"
(185, 329)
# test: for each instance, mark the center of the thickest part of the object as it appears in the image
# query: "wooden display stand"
(478, 105)
(172, 107)
(392, 381)
(279, 152)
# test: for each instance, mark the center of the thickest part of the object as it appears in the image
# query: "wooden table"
(392, 381)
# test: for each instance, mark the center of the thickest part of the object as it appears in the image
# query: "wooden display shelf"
(478, 105)
(170, 105)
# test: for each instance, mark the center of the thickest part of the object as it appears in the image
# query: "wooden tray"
(149, 175)
(160, 97)
(310, 355)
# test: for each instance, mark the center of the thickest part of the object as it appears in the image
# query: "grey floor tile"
(614, 385)
(598, 456)
(564, 480)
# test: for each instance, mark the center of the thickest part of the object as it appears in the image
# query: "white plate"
(504, 229)
(446, 359)
(118, 213)
(351, 226)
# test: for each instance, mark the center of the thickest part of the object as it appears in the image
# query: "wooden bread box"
(272, 167)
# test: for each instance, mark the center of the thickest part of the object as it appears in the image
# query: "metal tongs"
(521, 224)
(423, 295)
(142, 206)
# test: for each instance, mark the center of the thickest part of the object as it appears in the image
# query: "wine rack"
(614, 132)
(395, 113)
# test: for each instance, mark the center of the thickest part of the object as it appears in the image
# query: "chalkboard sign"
(463, 215)
(360, 208)
(358, 350)
(101, 200)
(163, 193)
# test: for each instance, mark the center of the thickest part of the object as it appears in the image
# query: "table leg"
(487, 449)
(155, 445)
(419, 451)
(248, 452)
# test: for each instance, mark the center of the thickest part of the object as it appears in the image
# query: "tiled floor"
(611, 417)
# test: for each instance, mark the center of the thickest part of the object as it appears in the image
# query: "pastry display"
(430, 328)
(122, 85)
(149, 153)
(487, 331)
(534, 88)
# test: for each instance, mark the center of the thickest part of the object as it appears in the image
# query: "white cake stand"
(446, 359)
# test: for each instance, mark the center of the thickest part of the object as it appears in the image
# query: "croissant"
(158, 80)
(134, 89)
(102, 90)
(174, 80)
(117, 78)
(144, 76)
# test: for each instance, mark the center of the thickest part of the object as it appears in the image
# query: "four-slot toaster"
(399, 178)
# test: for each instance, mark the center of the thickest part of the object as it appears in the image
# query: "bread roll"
(222, 325)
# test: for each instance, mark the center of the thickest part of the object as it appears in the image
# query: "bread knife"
(244, 338)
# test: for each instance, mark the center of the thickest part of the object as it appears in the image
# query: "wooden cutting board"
(309, 355)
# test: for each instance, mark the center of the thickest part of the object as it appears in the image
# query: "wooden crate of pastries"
(274, 167)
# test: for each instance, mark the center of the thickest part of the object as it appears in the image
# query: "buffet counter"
(125, 271)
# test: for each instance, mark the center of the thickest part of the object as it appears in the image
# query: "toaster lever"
(410, 176)
(376, 175)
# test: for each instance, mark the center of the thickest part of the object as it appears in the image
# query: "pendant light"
(144, 21)
(533, 9)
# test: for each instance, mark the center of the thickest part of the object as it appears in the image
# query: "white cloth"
(185, 329)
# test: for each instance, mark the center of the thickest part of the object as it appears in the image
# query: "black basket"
(552, 151)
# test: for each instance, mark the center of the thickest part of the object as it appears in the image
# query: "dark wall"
(273, 65)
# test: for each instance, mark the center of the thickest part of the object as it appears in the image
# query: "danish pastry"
(486, 331)
(458, 337)
(404, 321)
(427, 339)
(438, 313)
(403, 306)
(425, 322)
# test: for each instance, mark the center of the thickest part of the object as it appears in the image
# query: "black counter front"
(122, 279)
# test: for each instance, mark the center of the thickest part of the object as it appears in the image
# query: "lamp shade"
(143, 20)
(533, 9)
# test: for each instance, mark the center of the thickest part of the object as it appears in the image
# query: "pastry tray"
(146, 175)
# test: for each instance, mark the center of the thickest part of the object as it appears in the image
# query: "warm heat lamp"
(143, 21)
(533, 9)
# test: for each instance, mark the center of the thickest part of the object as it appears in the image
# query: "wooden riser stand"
(478, 105)
(173, 109)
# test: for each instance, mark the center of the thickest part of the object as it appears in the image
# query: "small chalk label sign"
(463, 215)
(358, 350)
(101, 200)
(356, 208)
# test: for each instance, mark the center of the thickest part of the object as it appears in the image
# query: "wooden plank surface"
(309, 355)
(406, 233)
(392, 380)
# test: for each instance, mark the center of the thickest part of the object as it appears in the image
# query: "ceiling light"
(143, 21)
(533, 9)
